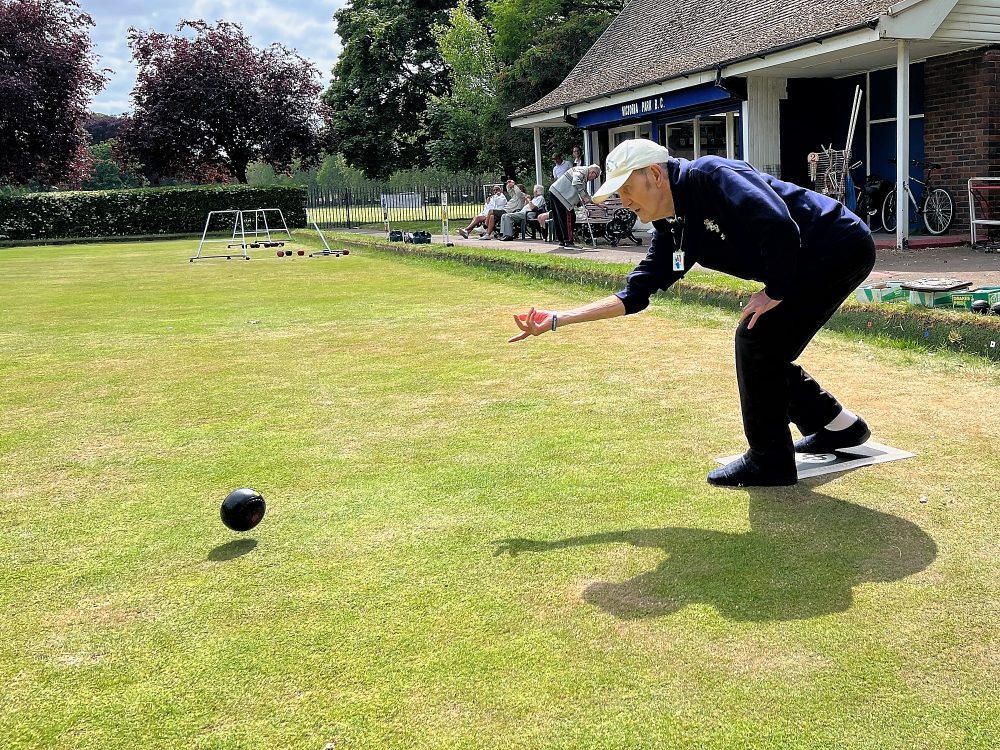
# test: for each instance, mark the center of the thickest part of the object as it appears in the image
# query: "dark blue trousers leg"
(773, 389)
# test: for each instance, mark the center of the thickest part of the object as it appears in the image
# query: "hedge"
(140, 211)
(928, 328)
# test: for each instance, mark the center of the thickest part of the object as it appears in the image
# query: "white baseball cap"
(625, 158)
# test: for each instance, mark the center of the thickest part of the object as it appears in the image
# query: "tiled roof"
(653, 40)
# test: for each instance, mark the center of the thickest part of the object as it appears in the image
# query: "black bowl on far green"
(995, 308)
(243, 509)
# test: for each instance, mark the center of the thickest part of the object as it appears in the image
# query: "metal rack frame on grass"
(241, 232)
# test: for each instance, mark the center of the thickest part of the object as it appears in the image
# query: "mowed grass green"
(468, 544)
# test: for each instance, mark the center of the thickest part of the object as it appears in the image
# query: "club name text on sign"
(642, 107)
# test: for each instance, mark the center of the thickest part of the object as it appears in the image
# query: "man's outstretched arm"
(536, 322)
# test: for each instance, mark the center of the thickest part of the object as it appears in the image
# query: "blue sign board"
(662, 105)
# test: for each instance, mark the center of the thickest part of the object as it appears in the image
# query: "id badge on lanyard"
(678, 252)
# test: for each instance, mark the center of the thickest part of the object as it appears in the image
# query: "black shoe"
(505, 238)
(746, 471)
(828, 441)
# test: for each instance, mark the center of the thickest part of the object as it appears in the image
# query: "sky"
(306, 26)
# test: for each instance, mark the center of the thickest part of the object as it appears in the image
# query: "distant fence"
(350, 208)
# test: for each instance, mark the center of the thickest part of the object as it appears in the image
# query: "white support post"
(538, 156)
(902, 142)
(697, 136)
(587, 158)
(730, 135)
(745, 130)
(761, 122)
(868, 124)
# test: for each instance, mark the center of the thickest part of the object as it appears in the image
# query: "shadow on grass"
(232, 550)
(803, 555)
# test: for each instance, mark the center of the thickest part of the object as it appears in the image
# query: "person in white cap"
(807, 249)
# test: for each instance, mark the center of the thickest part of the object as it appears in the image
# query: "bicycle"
(936, 206)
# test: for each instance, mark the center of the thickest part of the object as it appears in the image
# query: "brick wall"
(962, 122)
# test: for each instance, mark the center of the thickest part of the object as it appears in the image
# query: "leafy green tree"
(536, 72)
(105, 172)
(458, 120)
(382, 82)
(519, 25)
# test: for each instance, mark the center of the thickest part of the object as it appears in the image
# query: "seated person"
(520, 219)
(518, 197)
(497, 200)
(542, 220)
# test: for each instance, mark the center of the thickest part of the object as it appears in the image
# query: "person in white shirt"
(561, 166)
(516, 202)
(520, 218)
(496, 200)
(577, 157)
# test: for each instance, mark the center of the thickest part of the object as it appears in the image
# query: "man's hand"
(534, 323)
(759, 304)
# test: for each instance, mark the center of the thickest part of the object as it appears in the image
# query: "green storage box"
(989, 294)
(882, 291)
(931, 299)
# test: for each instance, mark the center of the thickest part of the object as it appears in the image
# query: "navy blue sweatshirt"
(734, 219)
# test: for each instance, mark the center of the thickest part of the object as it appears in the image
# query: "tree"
(46, 81)
(385, 75)
(103, 128)
(534, 44)
(541, 68)
(215, 103)
(519, 25)
(105, 172)
(458, 121)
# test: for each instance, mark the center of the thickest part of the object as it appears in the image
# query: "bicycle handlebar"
(918, 163)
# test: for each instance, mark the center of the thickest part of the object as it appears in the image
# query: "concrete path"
(965, 263)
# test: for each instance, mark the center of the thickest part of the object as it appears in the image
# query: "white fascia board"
(914, 19)
(805, 51)
(643, 92)
(554, 117)
(550, 118)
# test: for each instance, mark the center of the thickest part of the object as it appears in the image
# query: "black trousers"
(773, 389)
(562, 218)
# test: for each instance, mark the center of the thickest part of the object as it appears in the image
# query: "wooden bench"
(611, 219)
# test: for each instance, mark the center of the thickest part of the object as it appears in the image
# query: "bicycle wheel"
(889, 212)
(939, 211)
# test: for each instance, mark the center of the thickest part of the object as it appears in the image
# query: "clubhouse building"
(771, 81)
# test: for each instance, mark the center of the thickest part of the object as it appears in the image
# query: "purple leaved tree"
(215, 102)
(46, 82)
